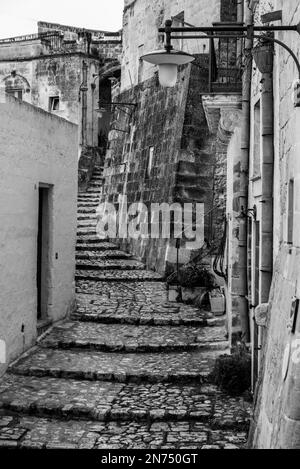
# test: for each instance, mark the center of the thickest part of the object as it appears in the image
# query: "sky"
(19, 17)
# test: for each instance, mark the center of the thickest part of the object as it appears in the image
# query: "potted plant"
(195, 281)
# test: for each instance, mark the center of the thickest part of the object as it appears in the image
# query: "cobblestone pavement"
(37, 433)
(128, 338)
(128, 370)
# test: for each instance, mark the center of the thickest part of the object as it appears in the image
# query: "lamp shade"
(168, 62)
(167, 74)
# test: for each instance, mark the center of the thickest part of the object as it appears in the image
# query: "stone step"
(87, 204)
(87, 238)
(86, 210)
(99, 247)
(136, 304)
(87, 217)
(118, 275)
(109, 264)
(96, 182)
(29, 432)
(94, 190)
(134, 339)
(87, 231)
(85, 196)
(116, 402)
(181, 367)
(98, 256)
(81, 224)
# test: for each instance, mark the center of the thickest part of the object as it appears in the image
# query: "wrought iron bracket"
(235, 31)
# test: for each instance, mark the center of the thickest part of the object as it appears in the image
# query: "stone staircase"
(128, 370)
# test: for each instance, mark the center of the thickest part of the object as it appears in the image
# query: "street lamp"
(168, 60)
(168, 63)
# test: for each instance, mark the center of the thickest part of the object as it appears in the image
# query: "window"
(54, 103)
(16, 93)
(291, 198)
(149, 162)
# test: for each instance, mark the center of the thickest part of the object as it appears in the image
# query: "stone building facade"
(163, 145)
(38, 170)
(273, 234)
(277, 412)
(59, 69)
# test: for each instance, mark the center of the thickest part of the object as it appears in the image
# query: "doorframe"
(44, 282)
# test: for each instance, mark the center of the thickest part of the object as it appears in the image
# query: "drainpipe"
(266, 235)
(84, 90)
(93, 86)
(244, 181)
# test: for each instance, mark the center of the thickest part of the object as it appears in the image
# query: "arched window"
(16, 85)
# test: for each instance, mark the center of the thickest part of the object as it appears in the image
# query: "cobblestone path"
(127, 370)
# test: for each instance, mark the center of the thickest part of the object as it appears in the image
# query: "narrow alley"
(129, 370)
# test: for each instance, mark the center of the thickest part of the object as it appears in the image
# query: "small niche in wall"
(54, 103)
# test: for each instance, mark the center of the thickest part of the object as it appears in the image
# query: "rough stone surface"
(128, 338)
(42, 433)
(129, 370)
(29, 156)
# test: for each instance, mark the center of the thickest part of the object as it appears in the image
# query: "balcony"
(225, 64)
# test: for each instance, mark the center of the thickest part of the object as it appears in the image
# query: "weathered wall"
(233, 157)
(56, 75)
(277, 406)
(172, 121)
(141, 36)
(47, 67)
(36, 147)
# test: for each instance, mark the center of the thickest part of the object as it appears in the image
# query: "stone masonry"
(129, 369)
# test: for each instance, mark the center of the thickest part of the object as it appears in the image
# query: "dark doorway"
(43, 252)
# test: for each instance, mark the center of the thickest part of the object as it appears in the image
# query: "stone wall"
(189, 163)
(36, 148)
(45, 67)
(141, 36)
(173, 123)
(54, 75)
(276, 421)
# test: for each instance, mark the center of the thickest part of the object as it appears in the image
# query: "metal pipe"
(242, 195)
(212, 29)
(167, 30)
(267, 109)
(84, 90)
(210, 36)
(255, 36)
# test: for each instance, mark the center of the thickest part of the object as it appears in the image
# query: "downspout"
(93, 86)
(244, 180)
(84, 90)
(267, 104)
